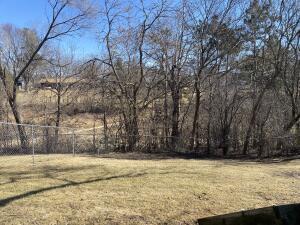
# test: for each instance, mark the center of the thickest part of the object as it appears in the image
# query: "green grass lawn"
(62, 189)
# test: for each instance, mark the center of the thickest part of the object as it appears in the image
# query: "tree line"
(201, 76)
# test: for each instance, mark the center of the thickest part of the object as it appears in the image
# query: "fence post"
(73, 142)
(32, 138)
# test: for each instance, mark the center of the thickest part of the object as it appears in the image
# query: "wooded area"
(211, 77)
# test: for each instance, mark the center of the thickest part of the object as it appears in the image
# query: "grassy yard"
(86, 190)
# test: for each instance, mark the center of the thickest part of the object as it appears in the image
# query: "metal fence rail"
(24, 139)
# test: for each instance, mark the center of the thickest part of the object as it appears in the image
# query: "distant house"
(52, 83)
(48, 85)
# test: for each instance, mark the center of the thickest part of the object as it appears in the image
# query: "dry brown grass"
(85, 190)
(30, 107)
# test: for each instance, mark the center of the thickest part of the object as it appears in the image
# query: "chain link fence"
(288, 145)
(32, 140)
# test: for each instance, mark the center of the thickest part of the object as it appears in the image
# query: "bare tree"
(171, 44)
(215, 36)
(272, 32)
(128, 69)
(66, 18)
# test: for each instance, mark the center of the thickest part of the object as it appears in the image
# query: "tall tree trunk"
(105, 131)
(225, 140)
(256, 104)
(175, 92)
(21, 129)
(254, 114)
(208, 144)
(194, 135)
(175, 119)
(260, 141)
(208, 139)
(11, 98)
(58, 117)
(166, 118)
(132, 127)
(248, 133)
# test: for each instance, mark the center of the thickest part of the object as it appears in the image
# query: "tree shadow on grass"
(144, 156)
(52, 173)
(42, 172)
(233, 159)
(242, 162)
(4, 202)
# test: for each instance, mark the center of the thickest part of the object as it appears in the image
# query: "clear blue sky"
(32, 13)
